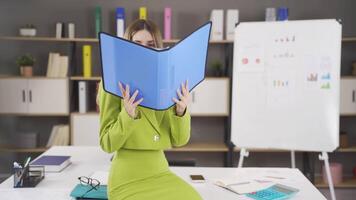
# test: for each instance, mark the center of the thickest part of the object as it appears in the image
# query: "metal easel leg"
(243, 153)
(324, 156)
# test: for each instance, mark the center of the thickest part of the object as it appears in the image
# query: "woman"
(139, 135)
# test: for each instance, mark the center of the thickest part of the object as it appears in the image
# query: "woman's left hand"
(184, 97)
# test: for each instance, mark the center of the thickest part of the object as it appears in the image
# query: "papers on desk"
(244, 186)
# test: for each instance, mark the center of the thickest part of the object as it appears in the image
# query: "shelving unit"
(89, 40)
(23, 150)
(73, 78)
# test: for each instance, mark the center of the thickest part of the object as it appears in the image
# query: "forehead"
(142, 35)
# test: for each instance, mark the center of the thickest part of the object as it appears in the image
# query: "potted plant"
(26, 63)
(217, 68)
(28, 30)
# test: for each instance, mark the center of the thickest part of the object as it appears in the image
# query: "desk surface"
(86, 160)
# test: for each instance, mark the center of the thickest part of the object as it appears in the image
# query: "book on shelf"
(83, 96)
(87, 65)
(167, 23)
(120, 21)
(143, 13)
(98, 22)
(59, 136)
(57, 65)
(161, 71)
(217, 29)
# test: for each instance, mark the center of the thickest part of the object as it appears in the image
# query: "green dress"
(139, 169)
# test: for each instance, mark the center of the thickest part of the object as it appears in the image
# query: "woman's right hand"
(129, 102)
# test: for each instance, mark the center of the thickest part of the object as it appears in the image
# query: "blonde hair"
(148, 25)
(138, 25)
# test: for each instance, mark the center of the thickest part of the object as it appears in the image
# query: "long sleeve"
(180, 127)
(115, 124)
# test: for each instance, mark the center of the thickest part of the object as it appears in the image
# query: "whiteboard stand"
(243, 153)
(324, 156)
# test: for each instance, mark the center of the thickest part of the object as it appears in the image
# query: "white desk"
(86, 160)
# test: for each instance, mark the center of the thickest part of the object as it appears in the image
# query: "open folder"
(155, 73)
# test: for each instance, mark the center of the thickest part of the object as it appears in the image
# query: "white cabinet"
(211, 97)
(34, 96)
(85, 129)
(48, 96)
(348, 96)
(13, 95)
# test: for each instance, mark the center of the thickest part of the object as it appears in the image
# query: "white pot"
(27, 31)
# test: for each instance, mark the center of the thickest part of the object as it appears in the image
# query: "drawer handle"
(353, 95)
(23, 96)
(30, 96)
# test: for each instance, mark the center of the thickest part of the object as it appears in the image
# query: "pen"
(27, 161)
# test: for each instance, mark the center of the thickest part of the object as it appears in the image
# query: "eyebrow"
(151, 41)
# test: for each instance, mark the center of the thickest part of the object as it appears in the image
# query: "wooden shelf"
(94, 40)
(348, 77)
(32, 77)
(349, 39)
(346, 150)
(201, 147)
(37, 114)
(347, 183)
(23, 150)
(87, 113)
(82, 78)
(48, 39)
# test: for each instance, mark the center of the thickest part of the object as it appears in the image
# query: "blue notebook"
(155, 73)
(52, 163)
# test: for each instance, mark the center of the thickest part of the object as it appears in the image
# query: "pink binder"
(167, 23)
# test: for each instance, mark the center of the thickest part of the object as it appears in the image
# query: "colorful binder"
(120, 22)
(87, 61)
(155, 73)
(167, 23)
(97, 20)
(143, 13)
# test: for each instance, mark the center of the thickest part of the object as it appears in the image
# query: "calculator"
(275, 192)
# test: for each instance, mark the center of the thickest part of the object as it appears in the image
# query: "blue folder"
(155, 73)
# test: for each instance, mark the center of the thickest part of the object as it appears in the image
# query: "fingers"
(179, 94)
(122, 90)
(137, 102)
(127, 91)
(179, 103)
(133, 97)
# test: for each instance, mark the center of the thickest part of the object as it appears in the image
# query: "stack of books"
(57, 65)
(59, 136)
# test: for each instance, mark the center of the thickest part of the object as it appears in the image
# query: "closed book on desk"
(87, 192)
(52, 163)
(155, 73)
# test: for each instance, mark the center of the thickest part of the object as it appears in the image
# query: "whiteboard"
(286, 78)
